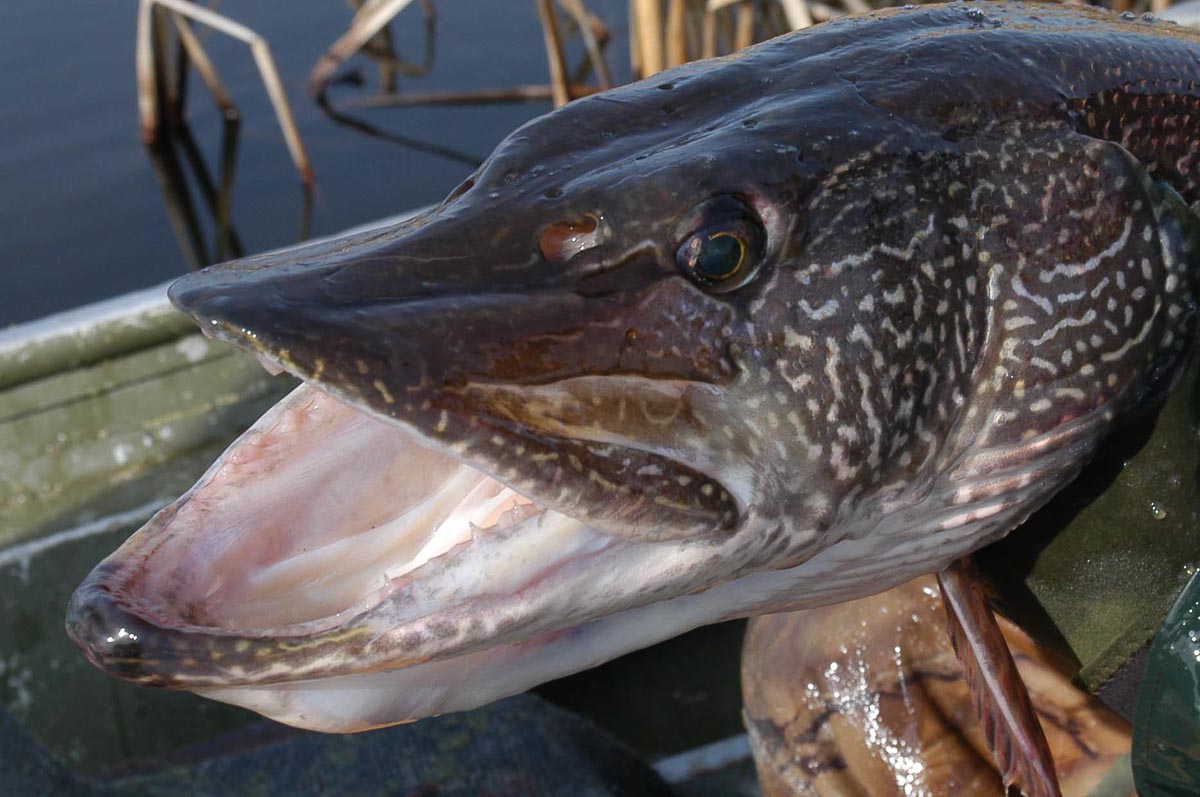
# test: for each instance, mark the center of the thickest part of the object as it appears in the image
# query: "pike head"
(748, 336)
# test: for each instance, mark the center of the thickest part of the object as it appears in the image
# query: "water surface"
(82, 215)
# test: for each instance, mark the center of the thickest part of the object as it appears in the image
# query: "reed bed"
(153, 75)
(666, 33)
(662, 34)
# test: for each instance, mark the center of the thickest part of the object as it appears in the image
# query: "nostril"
(564, 239)
(463, 187)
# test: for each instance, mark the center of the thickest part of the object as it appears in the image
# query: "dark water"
(82, 214)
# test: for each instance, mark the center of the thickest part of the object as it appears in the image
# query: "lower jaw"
(363, 701)
(360, 702)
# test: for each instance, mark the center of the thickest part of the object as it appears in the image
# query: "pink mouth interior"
(310, 517)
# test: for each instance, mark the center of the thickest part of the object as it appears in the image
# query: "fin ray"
(1002, 705)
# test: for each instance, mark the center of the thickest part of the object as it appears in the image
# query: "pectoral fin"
(998, 694)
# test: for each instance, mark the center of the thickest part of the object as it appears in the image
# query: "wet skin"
(766, 332)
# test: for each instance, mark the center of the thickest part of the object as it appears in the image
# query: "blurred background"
(88, 211)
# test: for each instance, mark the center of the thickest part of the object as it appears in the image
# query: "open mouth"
(400, 537)
(318, 513)
(321, 518)
(328, 551)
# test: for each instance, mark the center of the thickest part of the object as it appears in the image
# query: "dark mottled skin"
(977, 259)
(858, 134)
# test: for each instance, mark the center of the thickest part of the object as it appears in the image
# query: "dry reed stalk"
(694, 21)
(554, 52)
(143, 65)
(191, 45)
(367, 21)
(713, 25)
(180, 71)
(635, 44)
(676, 34)
(585, 21)
(473, 97)
(165, 73)
(262, 59)
(744, 33)
(797, 13)
(708, 46)
(381, 49)
(823, 12)
(648, 14)
(143, 57)
(587, 66)
(173, 67)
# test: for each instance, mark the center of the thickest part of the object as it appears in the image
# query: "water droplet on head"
(979, 17)
(1157, 510)
(1128, 16)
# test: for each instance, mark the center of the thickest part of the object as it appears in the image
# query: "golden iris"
(721, 256)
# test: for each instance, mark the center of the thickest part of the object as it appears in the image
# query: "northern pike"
(771, 331)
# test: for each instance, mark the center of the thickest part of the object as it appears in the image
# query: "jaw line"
(364, 701)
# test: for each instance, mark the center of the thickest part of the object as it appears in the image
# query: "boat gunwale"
(128, 322)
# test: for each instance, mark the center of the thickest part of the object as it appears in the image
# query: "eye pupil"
(722, 245)
(720, 256)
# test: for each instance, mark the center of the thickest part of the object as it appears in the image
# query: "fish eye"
(724, 247)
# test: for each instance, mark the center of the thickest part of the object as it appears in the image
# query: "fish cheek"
(677, 331)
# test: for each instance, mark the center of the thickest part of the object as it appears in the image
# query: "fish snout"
(113, 639)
